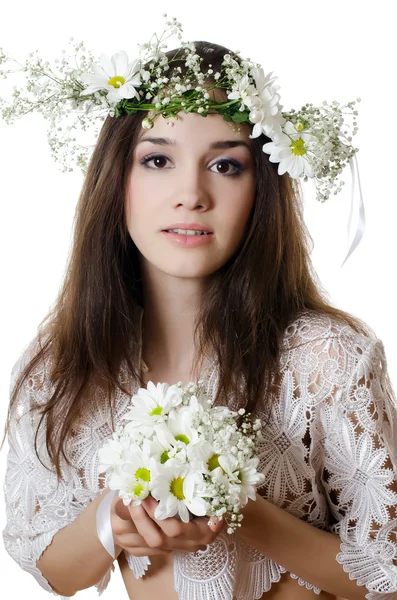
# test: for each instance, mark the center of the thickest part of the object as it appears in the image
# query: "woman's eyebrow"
(220, 145)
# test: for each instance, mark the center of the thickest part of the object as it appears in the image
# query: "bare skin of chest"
(159, 583)
(160, 376)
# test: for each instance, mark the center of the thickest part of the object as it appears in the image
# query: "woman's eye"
(223, 167)
(228, 167)
(159, 161)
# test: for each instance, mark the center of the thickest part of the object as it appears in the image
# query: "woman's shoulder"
(312, 327)
(37, 382)
(330, 361)
(320, 341)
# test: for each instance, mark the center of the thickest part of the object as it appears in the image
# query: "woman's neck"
(171, 306)
(168, 341)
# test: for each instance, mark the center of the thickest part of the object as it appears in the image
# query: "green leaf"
(227, 117)
(240, 117)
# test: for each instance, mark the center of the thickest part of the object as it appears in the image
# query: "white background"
(319, 50)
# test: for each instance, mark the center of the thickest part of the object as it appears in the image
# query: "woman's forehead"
(189, 128)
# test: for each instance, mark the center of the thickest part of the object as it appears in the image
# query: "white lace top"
(329, 453)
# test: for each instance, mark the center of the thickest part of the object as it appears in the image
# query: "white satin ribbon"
(137, 564)
(104, 525)
(360, 206)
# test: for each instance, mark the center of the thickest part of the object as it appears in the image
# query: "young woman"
(239, 308)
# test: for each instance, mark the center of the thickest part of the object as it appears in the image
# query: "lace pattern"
(328, 451)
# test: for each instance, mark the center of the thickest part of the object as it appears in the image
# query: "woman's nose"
(192, 189)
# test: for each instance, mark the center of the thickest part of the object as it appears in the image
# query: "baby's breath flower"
(313, 142)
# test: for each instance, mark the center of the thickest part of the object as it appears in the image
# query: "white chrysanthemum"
(198, 402)
(116, 76)
(181, 427)
(177, 488)
(112, 454)
(243, 479)
(160, 445)
(165, 446)
(265, 107)
(152, 405)
(130, 489)
(231, 467)
(203, 458)
(134, 479)
(174, 437)
(245, 91)
(249, 478)
(290, 149)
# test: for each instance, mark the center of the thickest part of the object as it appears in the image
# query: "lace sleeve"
(37, 504)
(357, 428)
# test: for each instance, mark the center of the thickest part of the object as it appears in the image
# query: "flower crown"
(313, 142)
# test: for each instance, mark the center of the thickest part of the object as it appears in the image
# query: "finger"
(189, 537)
(134, 543)
(215, 524)
(121, 510)
(146, 527)
(172, 527)
(148, 552)
(195, 530)
(122, 526)
(204, 532)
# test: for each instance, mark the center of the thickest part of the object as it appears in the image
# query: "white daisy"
(244, 478)
(244, 92)
(170, 445)
(181, 427)
(116, 76)
(134, 479)
(130, 489)
(249, 478)
(199, 402)
(230, 466)
(290, 149)
(203, 458)
(152, 405)
(177, 488)
(160, 445)
(112, 453)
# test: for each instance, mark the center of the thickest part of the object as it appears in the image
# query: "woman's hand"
(136, 530)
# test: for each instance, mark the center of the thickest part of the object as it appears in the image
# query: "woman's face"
(198, 171)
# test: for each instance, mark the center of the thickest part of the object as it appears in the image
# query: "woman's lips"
(189, 241)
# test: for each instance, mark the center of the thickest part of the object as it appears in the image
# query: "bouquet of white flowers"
(192, 457)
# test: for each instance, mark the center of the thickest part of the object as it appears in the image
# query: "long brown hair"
(248, 303)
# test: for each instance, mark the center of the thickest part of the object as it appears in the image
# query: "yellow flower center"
(116, 81)
(143, 474)
(164, 457)
(136, 489)
(213, 463)
(176, 488)
(182, 438)
(298, 147)
(299, 125)
(156, 411)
